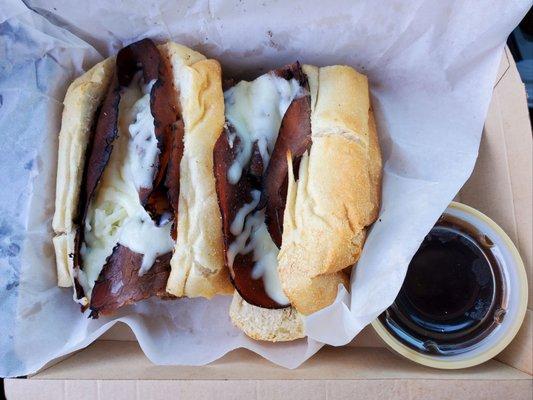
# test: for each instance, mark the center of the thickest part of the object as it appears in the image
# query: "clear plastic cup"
(509, 319)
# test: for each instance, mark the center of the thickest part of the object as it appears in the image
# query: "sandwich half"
(126, 131)
(298, 178)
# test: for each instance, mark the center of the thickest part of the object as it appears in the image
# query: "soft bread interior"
(337, 194)
(83, 97)
(198, 265)
(264, 324)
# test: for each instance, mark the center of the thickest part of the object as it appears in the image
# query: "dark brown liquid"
(452, 294)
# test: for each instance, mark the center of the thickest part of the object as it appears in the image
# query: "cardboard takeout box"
(501, 186)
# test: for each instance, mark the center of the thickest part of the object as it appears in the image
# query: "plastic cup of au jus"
(464, 297)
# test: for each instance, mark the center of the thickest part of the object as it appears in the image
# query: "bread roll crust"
(203, 112)
(82, 100)
(337, 194)
(198, 265)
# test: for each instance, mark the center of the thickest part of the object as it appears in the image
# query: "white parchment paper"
(431, 66)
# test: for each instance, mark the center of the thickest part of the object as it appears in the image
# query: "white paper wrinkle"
(431, 67)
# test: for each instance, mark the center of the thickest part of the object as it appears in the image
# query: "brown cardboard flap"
(501, 187)
(501, 184)
(270, 389)
(119, 370)
(119, 360)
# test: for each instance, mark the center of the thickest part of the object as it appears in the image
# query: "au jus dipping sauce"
(453, 294)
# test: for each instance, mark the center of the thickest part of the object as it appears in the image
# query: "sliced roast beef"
(294, 137)
(119, 282)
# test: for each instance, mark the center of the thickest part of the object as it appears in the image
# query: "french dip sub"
(119, 179)
(298, 174)
(167, 186)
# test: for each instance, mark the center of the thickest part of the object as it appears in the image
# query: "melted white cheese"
(266, 262)
(115, 215)
(255, 109)
(254, 236)
(242, 226)
(143, 144)
(238, 222)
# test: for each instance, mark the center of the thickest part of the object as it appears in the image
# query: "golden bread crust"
(337, 194)
(198, 265)
(82, 100)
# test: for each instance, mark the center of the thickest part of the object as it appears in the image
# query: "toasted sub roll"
(82, 100)
(123, 142)
(337, 194)
(198, 266)
(298, 180)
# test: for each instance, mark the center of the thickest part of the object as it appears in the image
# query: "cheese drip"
(255, 111)
(115, 214)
